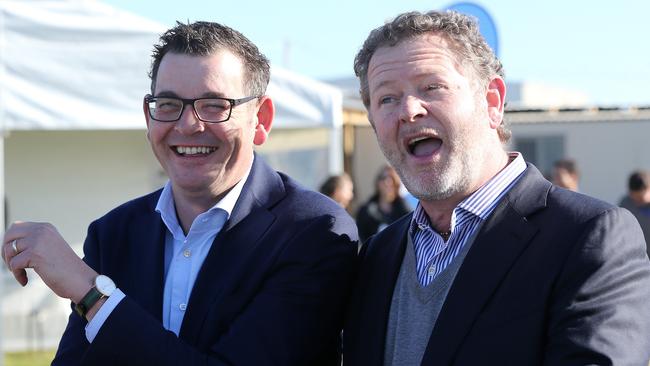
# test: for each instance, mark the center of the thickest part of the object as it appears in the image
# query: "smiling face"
(434, 121)
(206, 159)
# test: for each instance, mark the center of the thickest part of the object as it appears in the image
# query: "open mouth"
(194, 150)
(423, 145)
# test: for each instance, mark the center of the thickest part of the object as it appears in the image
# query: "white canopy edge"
(82, 65)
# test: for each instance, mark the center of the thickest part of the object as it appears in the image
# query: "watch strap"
(88, 301)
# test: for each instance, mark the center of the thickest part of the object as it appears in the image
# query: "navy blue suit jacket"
(272, 290)
(553, 278)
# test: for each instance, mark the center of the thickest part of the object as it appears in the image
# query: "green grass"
(31, 358)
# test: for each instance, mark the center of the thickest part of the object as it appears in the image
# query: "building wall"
(301, 153)
(69, 178)
(366, 162)
(606, 152)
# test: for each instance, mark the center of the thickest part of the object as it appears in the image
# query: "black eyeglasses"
(212, 110)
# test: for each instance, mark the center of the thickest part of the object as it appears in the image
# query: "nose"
(189, 123)
(411, 109)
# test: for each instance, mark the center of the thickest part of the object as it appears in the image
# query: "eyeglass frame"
(233, 103)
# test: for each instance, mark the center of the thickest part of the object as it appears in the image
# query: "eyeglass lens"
(209, 109)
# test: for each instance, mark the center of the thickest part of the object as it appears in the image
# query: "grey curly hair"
(463, 32)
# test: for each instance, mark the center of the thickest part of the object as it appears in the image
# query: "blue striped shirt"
(432, 253)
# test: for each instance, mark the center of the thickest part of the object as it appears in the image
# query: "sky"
(600, 50)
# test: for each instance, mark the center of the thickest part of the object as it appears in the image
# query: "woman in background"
(339, 188)
(384, 207)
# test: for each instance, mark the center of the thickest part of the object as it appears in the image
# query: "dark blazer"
(553, 278)
(272, 289)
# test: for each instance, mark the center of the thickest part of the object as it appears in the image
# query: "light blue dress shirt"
(184, 256)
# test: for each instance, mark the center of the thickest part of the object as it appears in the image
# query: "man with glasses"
(231, 263)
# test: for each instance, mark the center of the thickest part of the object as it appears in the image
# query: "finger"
(8, 251)
(5, 247)
(17, 230)
(17, 265)
(14, 232)
(21, 276)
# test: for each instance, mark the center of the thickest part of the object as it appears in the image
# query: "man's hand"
(41, 247)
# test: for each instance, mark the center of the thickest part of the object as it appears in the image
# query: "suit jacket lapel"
(147, 246)
(502, 238)
(233, 246)
(372, 300)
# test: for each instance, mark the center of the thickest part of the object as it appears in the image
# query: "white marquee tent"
(72, 75)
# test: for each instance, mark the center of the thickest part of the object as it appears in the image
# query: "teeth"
(418, 139)
(193, 150)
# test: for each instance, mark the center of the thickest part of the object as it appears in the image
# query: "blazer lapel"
(147, 248)
(368, 317)
(502, 238)
(230, 256)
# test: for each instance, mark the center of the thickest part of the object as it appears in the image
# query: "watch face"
(104, 285)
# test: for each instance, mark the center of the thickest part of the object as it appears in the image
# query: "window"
(542, 151)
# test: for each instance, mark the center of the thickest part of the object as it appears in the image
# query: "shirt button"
(432, 270)
(187, 253)
(182, 306)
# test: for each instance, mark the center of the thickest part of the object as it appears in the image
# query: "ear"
(495, 97)
(145, 110)
(265, 114)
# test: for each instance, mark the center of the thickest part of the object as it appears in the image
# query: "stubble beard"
(452, 177)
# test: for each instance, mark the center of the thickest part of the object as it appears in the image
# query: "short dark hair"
(207, 38)
(386, 171)
(638, 181)
(462, 31)
(567, 164)
(332, 183)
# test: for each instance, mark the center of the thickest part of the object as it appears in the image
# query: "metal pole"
(2, 171)
(2, 230)
(335, 145)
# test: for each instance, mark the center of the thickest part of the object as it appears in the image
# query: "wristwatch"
(103, 287)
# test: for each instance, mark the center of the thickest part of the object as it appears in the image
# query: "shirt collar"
(167, 208)
(483, 200)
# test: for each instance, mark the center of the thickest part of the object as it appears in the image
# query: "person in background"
(496, 265)
(566, 174)
(385, 206)
(637, 200)
(231, 262)
(339, 188)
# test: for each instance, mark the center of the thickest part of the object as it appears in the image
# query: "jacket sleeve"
(73, 343)
(293, 318)
(600, 313)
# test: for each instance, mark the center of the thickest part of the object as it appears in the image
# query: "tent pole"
(2, 173)
(2, 228)
(335, 145)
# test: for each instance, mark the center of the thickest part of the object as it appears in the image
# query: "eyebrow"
(382, 84)
(419, 76)
(171, 94)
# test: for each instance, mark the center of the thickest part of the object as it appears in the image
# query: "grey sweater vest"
(414, 310)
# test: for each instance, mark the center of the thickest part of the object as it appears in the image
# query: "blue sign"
(486, 24)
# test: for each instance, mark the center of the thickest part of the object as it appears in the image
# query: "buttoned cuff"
(93, 326)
